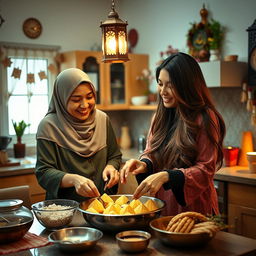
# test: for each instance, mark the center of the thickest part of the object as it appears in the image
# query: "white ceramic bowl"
(139, 100)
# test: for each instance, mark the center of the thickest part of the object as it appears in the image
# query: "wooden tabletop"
(222, 244)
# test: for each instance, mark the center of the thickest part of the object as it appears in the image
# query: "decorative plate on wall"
(32, 28)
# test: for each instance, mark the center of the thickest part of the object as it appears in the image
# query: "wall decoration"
(30, 78)
(164, 54)
(16, 73)
(32, 28)
(52, 68)
(252, 54)
(204, 37)
(42, 75)
(6, 62)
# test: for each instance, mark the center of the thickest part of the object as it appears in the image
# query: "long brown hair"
(174, 130)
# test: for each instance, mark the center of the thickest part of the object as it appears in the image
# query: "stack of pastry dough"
(193, 223)
(122, 206)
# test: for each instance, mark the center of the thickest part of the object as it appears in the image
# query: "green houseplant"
(19, 147)
(215, 39)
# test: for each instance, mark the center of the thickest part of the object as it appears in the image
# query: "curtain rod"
(24, 46)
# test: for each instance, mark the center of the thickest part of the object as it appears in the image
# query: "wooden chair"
(18, 192)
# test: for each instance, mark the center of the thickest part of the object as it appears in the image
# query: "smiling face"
(81, 102)
(165, 89)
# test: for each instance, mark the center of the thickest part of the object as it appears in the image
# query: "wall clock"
(252, 54)
(32, 28)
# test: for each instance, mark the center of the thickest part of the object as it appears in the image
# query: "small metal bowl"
(75, 238)
(133, 240)
(177, 239)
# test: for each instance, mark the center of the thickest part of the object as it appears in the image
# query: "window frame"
(28, 139)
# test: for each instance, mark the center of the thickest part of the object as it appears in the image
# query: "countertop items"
(237, 174)
(222, 244)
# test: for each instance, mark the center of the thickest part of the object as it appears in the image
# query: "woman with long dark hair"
(184, 144)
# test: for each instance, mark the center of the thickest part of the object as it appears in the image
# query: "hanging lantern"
(114, 38)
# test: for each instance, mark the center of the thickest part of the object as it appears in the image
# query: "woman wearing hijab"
(77, 152)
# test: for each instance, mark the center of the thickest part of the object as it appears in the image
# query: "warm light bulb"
(122, 42)
(110, 43)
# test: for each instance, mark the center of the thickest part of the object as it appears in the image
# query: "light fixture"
(114, 38)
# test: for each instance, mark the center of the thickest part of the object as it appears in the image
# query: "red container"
(230, 156)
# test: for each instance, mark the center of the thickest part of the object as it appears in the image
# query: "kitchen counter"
(222, 244)
(236, 174)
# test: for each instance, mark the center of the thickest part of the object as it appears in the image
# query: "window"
(25, 96)
(27, 101)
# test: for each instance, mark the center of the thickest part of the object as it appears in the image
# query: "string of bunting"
(6, 61)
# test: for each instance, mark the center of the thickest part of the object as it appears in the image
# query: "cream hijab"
(82, 137)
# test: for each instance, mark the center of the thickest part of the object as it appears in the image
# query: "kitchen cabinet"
(242, 209)
(115, 83)
(36, 192)
(224, 73)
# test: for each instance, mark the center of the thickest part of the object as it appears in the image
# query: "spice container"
(15, 220)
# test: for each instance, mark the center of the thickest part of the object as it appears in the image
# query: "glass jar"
(15, 220)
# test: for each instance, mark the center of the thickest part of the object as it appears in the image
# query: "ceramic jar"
(125, 140)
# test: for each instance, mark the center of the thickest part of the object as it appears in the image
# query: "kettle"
(4, 142)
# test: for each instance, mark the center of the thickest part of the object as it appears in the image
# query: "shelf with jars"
(115, 83)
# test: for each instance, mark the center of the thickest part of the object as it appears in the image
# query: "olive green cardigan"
(54, 161)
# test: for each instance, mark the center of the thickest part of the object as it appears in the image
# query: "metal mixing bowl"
(76, 238)
(115, 223)
(177, 239)
(15, 220)
(133, 240)
(54, 218)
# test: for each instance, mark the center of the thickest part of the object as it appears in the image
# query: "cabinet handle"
(236, 225)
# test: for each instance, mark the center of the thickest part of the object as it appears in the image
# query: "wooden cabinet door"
(115, 83)
(242, 220)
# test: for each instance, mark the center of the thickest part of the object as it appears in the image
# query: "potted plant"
(19, 147)
(215, 39)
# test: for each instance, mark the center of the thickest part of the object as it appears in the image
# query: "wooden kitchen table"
(222, 244)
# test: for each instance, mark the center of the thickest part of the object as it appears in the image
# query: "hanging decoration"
(244, 95)
(16, 73)
(1, 20)
(42, 75)
(52, 68)
(30, 78)
(114, 38)
(6, 62)
(205, 38)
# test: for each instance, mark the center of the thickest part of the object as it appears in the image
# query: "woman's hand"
(134, 166)
(111, 175)
(151, 184)
(84, 186)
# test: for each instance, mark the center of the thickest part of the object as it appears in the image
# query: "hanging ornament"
(249, 100)
(253, 116)
(1, 53)
(244, 93)
(59, 58)
(30, 78)
(7, 62)
(16, 73)
(52, 69)
(42, 75)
